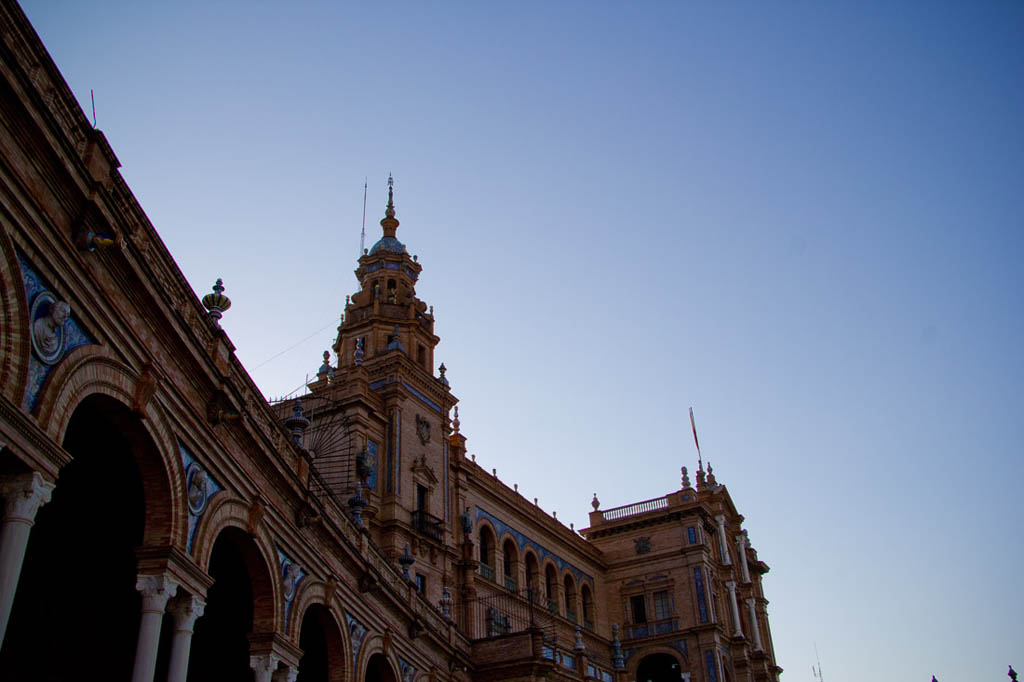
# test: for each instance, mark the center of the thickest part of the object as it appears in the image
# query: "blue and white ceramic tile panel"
(429, 403)
(397, 434)
(291, 575)
(547, 652)
(356, 634)
(542, 552)
(371, 481)
(74, 335)
(709, 660)
(406, 670)
(702, 604)
(198, 496)
(680, 646)
(374, 385)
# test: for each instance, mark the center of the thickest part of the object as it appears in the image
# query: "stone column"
(23, 495)
(155, 590)
(263, 667)
(723, 543)
(741, 549)
(753, 624)
(731, 586)
(186, 609)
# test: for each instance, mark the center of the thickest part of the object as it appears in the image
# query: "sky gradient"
(804, 220)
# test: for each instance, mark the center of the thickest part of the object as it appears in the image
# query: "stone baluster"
(24, 494)
(186, 609)
(156, 590)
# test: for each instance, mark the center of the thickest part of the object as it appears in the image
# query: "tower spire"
(390, 223)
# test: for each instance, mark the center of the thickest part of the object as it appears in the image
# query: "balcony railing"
(510, 584)
(634, 509)
(428, 525)
(486, 571)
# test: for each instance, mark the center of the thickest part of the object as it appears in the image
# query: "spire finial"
(390, 223)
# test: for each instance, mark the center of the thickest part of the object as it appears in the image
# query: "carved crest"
(643, 544)
(423, 429)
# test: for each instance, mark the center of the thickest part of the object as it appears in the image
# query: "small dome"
(389, 245)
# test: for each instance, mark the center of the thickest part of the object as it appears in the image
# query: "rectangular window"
(691, 535)
(662, 607)
(421, 584)
(637, 606)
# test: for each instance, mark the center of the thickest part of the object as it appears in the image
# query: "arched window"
(486, 553)
(510, 561)
(570, 598)
(588, 606)
(532, 577)
(551, 588)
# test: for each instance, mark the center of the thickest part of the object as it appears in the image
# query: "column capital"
(730, 585)
(289, 674)
(155, 590)
(263, 665)
(186, 609)
(720, 519)
(23, 495)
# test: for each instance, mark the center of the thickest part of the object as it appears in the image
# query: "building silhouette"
(158, 510)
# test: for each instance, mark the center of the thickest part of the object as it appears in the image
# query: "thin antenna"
(362, 236)
(93, 98)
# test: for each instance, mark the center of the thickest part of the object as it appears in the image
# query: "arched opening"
(220, 645)
(532, 577)
(551, 587)
(76, 594)
(658, 668)
(588, 606)
(509, 564)
(323, 659)
(570, 597)
(379, 670)
(392, 291)
(486, 553)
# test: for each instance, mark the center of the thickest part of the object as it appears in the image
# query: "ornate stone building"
(158, 510)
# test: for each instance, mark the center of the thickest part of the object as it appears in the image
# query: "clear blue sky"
(802, 218)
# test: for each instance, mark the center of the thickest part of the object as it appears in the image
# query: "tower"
(396, 409)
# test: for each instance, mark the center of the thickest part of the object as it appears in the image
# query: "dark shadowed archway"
(76, 595)
(220, 646)
(379, 670)
(323, 657)
(658, 668)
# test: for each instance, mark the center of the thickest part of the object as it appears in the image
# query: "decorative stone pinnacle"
(297, 423)
(326, 367)
(686, 477)
(406, 560)
(595, 503)
(455, 422)
(216, 303)
(441, 370)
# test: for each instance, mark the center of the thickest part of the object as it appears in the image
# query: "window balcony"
(486, 571)
(510, 584)
(428, 525)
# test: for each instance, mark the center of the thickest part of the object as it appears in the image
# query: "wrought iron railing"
(634, 509)
(486, 571)
(429, 525)
(510, 584)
